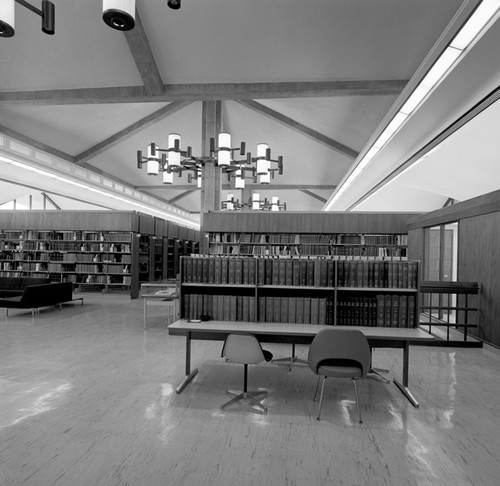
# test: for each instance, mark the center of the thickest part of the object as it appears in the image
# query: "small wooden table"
(378, 337)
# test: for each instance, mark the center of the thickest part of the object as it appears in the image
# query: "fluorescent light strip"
(438, 71)
(165, 215)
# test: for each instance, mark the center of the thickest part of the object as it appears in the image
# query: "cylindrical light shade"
(239, 181)
(275, 203)
(256, 201)
(174, 157)
(119, 14)
(7, 18)
(224, 153)
(199, 181)
(153, 167)
(261, 150)
(168, 177)
(265, 178)
(153, 154)
(172, 137)
(263, 165)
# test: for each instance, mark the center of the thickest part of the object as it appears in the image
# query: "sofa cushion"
(10, 293)
(11, 283)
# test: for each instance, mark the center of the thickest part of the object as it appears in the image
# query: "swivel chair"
(339, 353)
(245, 349)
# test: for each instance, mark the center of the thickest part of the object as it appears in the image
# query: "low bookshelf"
(368, 291)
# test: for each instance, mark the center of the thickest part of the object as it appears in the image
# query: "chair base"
(249, 396)
(322, 380)
(378, 372)
(291, 360)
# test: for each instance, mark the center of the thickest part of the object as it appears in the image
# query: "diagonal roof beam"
(206, 91)
(180, 196)
(36, 144)
(126, 132)
(143, 56)
(315, 196)
(299, 127)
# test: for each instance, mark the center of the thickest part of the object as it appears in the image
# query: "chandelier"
(173, 160)
(255, 203)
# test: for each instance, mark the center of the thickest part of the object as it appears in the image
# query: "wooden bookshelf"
(92, 258)
(96, 250)
(307, 234)
(327, 290)
(308, 244)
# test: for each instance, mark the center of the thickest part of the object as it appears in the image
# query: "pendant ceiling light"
(7, 16)
(174, 4)
(119, 14)
(175, 160)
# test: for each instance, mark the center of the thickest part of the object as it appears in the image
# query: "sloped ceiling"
(315, 80)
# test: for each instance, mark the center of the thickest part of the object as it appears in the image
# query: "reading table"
(378, 337)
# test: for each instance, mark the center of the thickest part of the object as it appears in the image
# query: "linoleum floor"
(87, 398)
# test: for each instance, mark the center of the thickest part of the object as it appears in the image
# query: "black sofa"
(33, 293)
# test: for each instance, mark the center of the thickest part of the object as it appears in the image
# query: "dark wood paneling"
(322, 222)
(488, 203)
(161, 227)
(479, 260)
(173, 230)
(416, 245)
(70, 220)
(146, 224)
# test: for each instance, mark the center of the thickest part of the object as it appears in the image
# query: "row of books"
(375, 251)
(52, 235)
(380, 310)
(65, 246)
(310, 238)
(310, 272)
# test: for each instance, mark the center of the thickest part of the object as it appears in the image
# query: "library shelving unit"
(352, 234)
(96, 250)
(308, 244)
(369, 291)
(91, 258)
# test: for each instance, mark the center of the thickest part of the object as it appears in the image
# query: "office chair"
(339, 353)
(245, 349)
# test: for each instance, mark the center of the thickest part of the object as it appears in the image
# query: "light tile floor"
(87, 398)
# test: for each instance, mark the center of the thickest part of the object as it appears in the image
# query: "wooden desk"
(378, 337)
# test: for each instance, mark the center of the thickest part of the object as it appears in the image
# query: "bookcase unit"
(101, 250)
(327, 290)
(307, 234)
(308, 244)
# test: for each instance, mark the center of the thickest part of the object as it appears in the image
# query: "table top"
(387, 333)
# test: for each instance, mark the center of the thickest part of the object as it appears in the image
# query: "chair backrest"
(242, 348)
(349, 344)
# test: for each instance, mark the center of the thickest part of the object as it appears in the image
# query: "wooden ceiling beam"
(315, 196)
(143, 56)
(180, 196)
(131, 129)
(207, 91)
(260, 187)
(299, 127)
(36, 144)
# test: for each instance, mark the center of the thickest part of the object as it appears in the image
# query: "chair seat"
(340, 371)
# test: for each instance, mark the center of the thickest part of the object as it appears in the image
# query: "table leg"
(145, 311)
(404, 386)
(189, 374)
